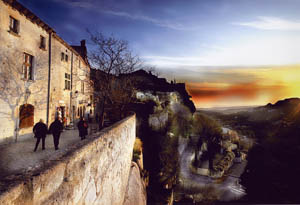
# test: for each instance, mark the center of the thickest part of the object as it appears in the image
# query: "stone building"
(41, 76)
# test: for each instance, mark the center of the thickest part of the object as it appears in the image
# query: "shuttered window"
(28, 67)
(67, 81)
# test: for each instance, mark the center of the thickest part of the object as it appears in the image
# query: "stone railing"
(95, 172)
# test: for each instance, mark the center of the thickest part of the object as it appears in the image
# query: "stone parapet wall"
(136, 191)
(96, 171)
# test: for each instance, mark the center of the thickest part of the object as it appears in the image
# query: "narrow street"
(192, 183)
(190, 180)
(19, 158)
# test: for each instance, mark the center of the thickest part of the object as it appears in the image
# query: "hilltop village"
(43, 77)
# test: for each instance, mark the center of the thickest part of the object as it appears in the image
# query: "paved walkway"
(19, 158)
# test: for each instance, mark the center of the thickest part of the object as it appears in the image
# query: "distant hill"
(285, 102)
(273, 168)
(285, 110)
(284, 114)
(228, 110)
(288, 103)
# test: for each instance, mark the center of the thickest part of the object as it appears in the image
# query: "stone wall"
(136, 190)
(13, 87)
(95, 172)
(16, 90)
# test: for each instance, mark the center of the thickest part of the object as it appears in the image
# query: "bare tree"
(113, 62)
(18, 84)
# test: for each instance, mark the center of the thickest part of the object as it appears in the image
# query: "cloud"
(86, 5)
(248, 51)
(272, 23)
(166, 61)
(158, 22)
(211, 95)
(210, 74)
(106, 9)
(245, 86)
(81, 4)
(243, 90)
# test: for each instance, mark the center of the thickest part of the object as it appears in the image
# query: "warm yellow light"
(268, 84)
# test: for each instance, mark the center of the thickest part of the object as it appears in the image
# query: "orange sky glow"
(246, 87)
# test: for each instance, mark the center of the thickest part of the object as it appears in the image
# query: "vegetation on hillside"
(137, 149)
(206, 127)
(272, 174)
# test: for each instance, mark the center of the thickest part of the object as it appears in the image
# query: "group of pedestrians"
(40, 131)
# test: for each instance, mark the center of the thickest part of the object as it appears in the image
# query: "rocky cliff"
(147, 82)
(162, 111)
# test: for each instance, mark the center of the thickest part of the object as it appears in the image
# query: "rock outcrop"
(146, 82)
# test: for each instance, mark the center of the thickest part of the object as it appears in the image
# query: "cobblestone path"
(19, 158)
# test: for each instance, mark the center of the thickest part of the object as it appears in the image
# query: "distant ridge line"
(229, 107)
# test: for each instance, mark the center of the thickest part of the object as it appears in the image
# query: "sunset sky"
(229, 52)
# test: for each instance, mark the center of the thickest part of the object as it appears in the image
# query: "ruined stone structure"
(95, 171)
(41, 75)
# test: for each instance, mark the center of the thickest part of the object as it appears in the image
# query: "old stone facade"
(29, 49)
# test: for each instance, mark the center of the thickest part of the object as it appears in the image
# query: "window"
(64, 57)
(27, 67)
(26, 116)
(43, 43)
(82, 86)
(14, 25)
(67, 81)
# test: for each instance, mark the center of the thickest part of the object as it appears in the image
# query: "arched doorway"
(26, 116)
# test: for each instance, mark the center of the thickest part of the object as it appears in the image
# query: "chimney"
(82, 43)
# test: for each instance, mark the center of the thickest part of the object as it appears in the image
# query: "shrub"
(138, 145)
(202, 125)
(137, 149)
(245, 145)
(180, 120)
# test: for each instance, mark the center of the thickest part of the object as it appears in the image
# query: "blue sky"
(199, 41)
(177, 32)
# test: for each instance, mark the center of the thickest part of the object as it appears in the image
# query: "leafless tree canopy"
(112, 55)
(113, 62)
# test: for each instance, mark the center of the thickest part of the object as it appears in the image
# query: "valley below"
(196, 187)
(220, 155)
(272, 171)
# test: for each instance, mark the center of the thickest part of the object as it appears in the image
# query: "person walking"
(56, 128)
(82, 128)
(40, 131)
